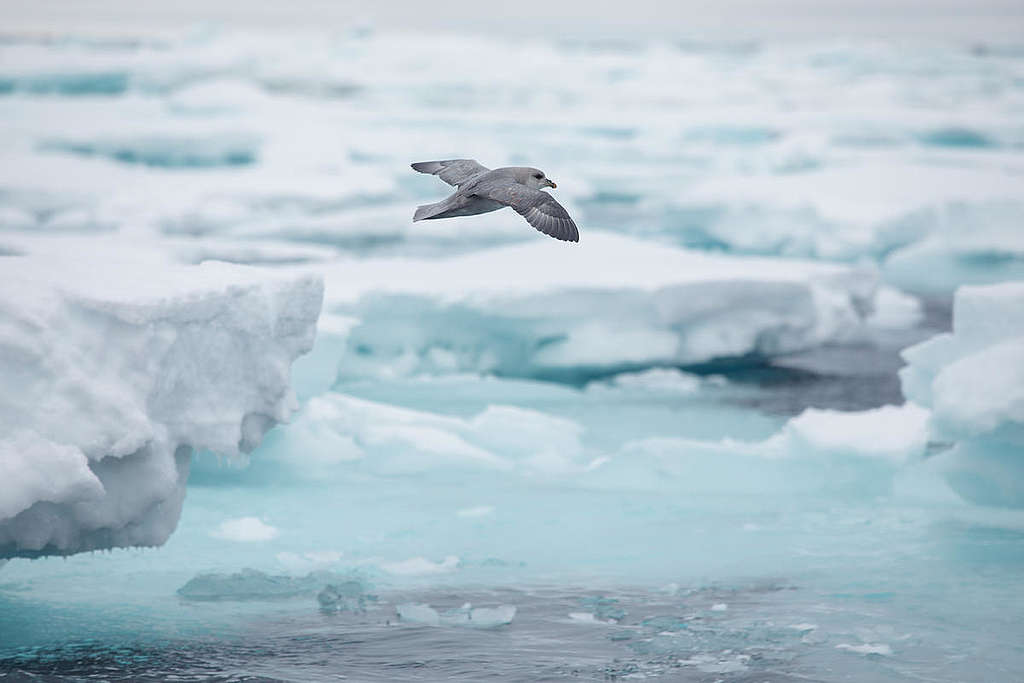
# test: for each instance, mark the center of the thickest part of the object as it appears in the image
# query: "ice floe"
(125, 364)
(537, 310)
(972, 379)
(465, 616)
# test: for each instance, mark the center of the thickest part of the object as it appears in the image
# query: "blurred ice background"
(678, 450)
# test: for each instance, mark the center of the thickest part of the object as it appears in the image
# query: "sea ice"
(972, 379)
(613, 303)
(248, 584)
(125, 363)
(465, 616)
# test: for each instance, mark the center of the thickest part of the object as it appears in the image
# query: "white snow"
(125, 362)
(245, 530)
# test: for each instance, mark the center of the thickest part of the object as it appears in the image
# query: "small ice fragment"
(719, 607)
(867, 649)
(244, 530)
(803, 627)
(488, 617)
(465, 616)
(419, 614)
(347, 596)
(585, 617)
(478, 511)
(248, 584)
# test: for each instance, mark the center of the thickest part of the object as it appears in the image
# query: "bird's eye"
(538, 176)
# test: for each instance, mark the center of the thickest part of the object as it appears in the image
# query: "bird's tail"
(426, 211)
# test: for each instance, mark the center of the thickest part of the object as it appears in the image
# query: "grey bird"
(481, 190)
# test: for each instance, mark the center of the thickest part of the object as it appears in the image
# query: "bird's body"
(481, 190)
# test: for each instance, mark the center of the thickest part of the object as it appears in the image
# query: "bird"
(481, 190)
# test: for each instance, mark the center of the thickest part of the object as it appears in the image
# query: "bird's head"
(535, 178)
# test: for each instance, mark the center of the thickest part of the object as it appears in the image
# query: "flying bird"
(481, 190)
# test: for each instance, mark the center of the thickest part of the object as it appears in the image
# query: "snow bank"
(117, 364)
(973, 381)
(540, 309)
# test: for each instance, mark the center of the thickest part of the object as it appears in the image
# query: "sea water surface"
(288, 149)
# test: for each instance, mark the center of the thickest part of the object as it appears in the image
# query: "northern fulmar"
(480, 190)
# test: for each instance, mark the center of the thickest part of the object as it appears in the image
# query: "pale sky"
(629, 19)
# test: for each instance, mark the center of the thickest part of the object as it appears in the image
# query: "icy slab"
(342, 438)
(335, 432)
(541, 309)
(124, 363)
(248, 584)
(465, 616)
(973, 381)
(851, 210)
(344, 596)
(894, 433)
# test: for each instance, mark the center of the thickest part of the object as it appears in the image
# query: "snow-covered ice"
(972, 379)
(125, 364)
(616, 302)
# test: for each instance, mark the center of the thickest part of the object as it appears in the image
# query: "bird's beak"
(552, 183)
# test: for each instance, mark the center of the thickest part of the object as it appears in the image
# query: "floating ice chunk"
(345, 596)
(584, 617)
(248, 584)
(618, 302)
(466, 616)
(958, 244)
(418, 614)
(893, 433)
(880, 649)
(244, 529)
(844, 211)
(420, 566)
(853, 453)
(334, 430)
(893, 309)
(973, 380)
(659, 381)
(803, 627)
(132, 361)
(719, 607)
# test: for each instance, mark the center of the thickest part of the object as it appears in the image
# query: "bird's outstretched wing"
(538, 208)
(452, 171)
